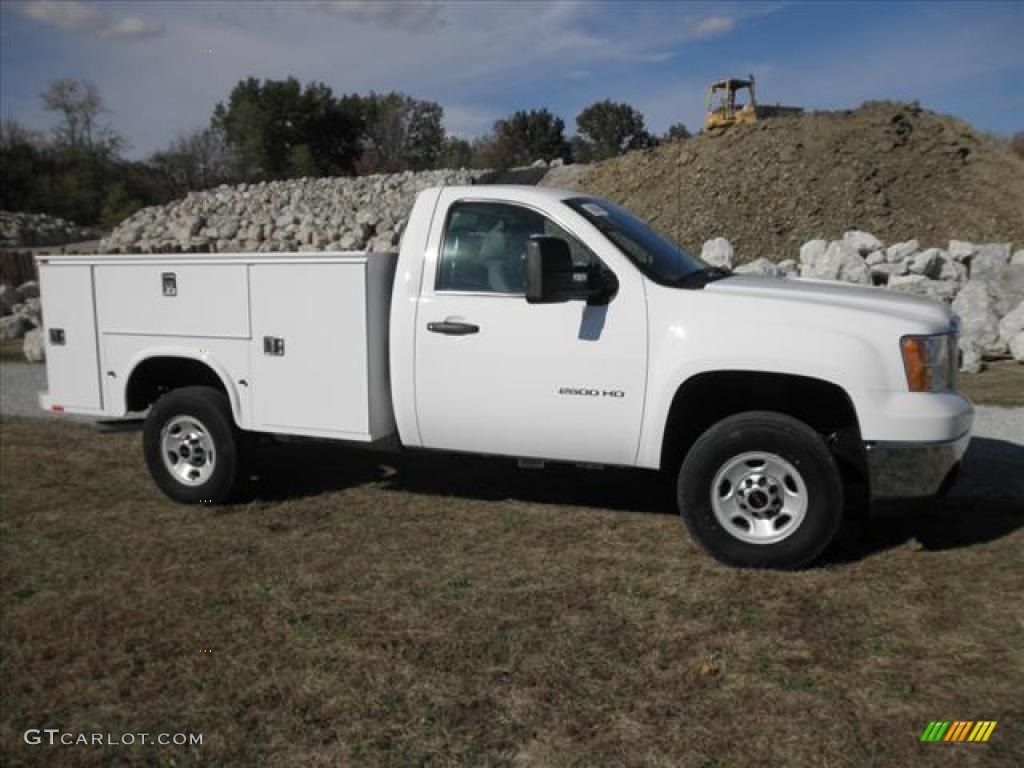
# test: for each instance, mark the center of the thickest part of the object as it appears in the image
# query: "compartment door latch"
(273, 346)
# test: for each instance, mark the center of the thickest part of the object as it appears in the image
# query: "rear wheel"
(192, 446)
(761, 490)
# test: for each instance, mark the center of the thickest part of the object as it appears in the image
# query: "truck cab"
(529, 323)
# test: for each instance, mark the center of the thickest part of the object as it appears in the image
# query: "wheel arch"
(709, 396)
(154, 373)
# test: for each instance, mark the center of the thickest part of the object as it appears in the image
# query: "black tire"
(763, 434)
(217, 476)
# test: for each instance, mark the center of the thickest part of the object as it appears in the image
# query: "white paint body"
(360, 364)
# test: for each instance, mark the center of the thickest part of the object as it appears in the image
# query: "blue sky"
(482, 60)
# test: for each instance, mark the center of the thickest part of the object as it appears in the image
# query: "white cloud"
(75, 16)
(403, 14)
(713, 26)
(468, 122)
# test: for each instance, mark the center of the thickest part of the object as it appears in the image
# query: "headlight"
(930, 362)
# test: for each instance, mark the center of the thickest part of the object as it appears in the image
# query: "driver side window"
(484, 248)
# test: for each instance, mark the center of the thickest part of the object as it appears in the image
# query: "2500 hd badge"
(591, 392)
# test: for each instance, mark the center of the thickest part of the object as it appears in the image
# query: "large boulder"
(1017, 347)
(979, 321)
(14, 327)
(898, 252)
(188, 227)
(840, 261)
(811, 252)
(34, 346)
(1012, 324)
(882, 274)
(970, 356)
(953, 270)
(9, 297)
(718, 252)
(31, 310)
(927, 263)
(960, 250)
(760, 267)
(862, 242)
(1008, 287)
(989, 260)
(920, 285)
(788, 268)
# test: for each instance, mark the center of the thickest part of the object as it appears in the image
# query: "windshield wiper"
(701, 277)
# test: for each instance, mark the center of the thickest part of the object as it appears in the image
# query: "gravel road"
(994, 466)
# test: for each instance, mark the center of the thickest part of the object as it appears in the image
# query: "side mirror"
(551, 276)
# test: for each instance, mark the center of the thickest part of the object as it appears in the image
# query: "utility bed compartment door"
(311, 361)
(72, 363)
(172, 299)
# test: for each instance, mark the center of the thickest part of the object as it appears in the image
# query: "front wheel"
(192, 446)
(761, 490)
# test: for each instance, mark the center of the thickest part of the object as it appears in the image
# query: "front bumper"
(909, 470)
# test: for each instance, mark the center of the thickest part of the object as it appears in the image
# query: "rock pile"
(21, 316)
(27, 230)
(983, 283)
(309, 214)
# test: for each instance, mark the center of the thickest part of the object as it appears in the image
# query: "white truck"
(532, 323)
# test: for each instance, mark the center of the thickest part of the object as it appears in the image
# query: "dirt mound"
(892, 169)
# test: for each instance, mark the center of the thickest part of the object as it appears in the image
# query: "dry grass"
(12, 349)
(999, 384)
(447, 611)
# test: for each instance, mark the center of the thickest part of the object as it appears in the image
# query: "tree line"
(278, 129)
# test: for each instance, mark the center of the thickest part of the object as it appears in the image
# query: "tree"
(612, 129)
(79, 105)
(524, 137)
(118, 205)
(196, 160)
(456, 153)
(582, 150)
(677, 131)
(25, 161)
(264, 123)
(402, 133)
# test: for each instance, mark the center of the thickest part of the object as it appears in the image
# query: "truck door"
(496, 375)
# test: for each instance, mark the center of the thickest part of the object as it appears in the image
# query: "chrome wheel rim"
(759, 497)
(187, 450)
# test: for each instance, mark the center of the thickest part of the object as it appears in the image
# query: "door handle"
(453, 328)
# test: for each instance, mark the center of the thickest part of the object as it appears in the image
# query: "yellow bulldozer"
(732, 102)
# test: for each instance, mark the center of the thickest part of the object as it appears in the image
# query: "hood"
(827, 293)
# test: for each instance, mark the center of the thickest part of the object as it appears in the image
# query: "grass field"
(1000, 383)
(365, 610)
(12, 350)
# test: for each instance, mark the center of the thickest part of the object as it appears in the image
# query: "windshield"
(660, 259)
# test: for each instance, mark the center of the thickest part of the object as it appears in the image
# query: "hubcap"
(759, 497)
(187, 450)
